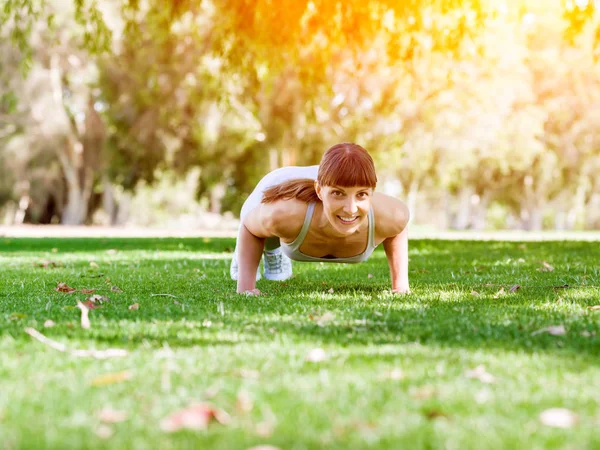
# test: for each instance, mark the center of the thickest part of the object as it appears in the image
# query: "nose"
(350, 206)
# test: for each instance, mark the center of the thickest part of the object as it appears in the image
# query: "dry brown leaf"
(197, 416)
(109, 415)
(474, 293)
(554, 330)
(316, 355)
(134, 307)
(49, 323)
(594, 308)
(98, 354)
(47, 264)
(435, 414)
(111, 378)
(85, 320)
(88, 291)
(514, 288)
(546, 267)
(63, 287)
(499, 293)
(481, 374)
(559, 418)
(116, 289)
(244, 402)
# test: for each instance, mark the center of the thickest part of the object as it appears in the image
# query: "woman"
(324, 213)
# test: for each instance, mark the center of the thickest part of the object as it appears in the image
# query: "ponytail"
(302, 189)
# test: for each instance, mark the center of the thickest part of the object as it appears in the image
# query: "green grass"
(203, 342)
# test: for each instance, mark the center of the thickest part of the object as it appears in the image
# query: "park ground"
(497, 347)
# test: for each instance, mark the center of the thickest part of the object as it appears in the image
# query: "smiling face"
(346, 208)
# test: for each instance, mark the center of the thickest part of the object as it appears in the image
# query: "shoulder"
(391, 215)
(283, 218)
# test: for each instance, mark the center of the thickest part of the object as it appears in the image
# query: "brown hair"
(344, 165)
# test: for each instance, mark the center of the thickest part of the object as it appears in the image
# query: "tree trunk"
(462, 218)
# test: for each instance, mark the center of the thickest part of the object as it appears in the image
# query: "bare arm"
(396, 251)
(256, 227)
(250, 248)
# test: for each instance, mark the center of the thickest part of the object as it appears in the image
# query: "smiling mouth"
(348, 220)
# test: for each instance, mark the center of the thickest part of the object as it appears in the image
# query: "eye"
(363, 194)
(336, 193)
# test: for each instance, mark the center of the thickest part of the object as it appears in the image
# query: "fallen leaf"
(98, 298)
(546, 267)
(247, 373)
(116, 289)
(594, 308)
(330, 291)
(109, 415)
(88, 291)
(316, 355)
(85, 320)
(481, 374)
(90, 305)
(370, 275)
(514, 288)
(265, 428)
(197, 416)
(474, 293)
(559, 418)
(104, 431)
(327, 317)
(554, 330)
(434, 414)
(499, 293)
(47, 264)
(244, 402)
(49, 323)
(62, 287)
(111, 378)
(98, 354)
(134, 307)
(94, 264)
(394, 374)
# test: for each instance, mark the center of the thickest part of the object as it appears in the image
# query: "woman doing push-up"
(325, 213)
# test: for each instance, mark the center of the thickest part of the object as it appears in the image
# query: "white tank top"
(292, 250)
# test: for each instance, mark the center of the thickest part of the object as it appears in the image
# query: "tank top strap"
(295, 245)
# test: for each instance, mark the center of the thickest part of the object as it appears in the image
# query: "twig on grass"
(98, 354)
(163, 295)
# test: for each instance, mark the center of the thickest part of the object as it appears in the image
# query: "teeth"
(347, 219)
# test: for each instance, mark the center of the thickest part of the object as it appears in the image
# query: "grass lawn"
(328, 359)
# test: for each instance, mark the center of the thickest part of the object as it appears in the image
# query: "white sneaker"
(233, 269)
(278, 267)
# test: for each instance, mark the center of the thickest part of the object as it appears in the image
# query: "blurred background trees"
(480, 114)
